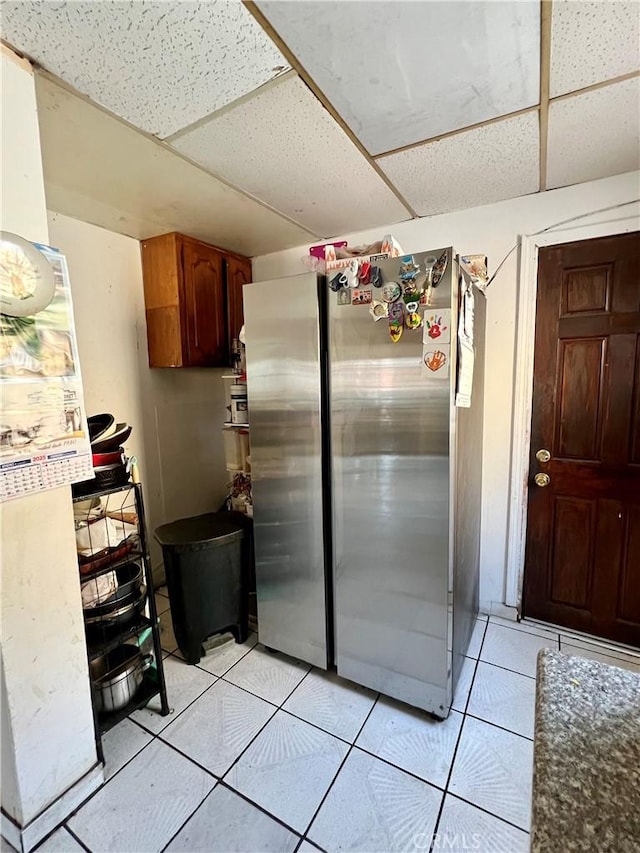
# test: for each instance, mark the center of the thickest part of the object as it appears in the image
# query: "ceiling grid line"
(458, 131)
(545, 82)
(631, 75)
(276, 81)
(252, 8)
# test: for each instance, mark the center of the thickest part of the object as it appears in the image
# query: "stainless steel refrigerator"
(366, 484)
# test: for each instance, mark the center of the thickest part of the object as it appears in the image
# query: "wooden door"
(582, 565)
(238, 274)
(204, 305)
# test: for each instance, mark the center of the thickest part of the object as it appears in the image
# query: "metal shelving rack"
(107, 637)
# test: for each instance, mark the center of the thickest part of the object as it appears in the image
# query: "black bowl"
(112, 442)
(98, 425)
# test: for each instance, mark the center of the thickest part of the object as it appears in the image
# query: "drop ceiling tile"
(594, 135)
(283, 147)
(100, 171)
(592, 42)
(480, 166)
(400, 73)
(159, 65)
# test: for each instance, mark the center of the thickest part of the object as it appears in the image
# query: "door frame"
(523, 386)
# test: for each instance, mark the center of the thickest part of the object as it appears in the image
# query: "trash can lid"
(199, 528)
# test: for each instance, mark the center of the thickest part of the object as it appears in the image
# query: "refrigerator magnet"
(412, 319)
(361, 297)
(391, 291)
(408, 268)
(375, 276)
(338, 282)
(435, 360)
(396, 321)
(437, 326)
(379, 310)
(344, 296)
(439, 268)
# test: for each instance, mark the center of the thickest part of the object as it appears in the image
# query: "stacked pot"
(109, 462)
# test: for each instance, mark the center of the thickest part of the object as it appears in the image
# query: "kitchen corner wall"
(49, 761)
(493, 230)
(176, 414)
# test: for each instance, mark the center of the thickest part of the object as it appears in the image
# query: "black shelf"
(135, 554)
(102, 639)
(102, 493)
(119, 635)
(148, 689)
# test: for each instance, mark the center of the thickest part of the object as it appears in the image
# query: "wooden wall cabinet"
(193, 301)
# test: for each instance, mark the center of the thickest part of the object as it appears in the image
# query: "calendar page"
(44, 440)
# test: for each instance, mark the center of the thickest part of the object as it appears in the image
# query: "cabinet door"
(204, 305)
(238, 274)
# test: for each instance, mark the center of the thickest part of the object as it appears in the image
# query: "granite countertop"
(586, 781)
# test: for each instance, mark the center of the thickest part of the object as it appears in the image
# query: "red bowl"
(107, 458)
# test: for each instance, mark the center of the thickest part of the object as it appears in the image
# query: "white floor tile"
(162, 604)
(222, 658)
(225, 823)
(584, 650)
(527, 627)
(504, 698)
(120, 744)
(412, 740)
(270, 676)
(184, 684)
(288, 769)
(5, 847)
(336, 705)
(218, 726)
(145, 804)
(493, 769)
(374, 807)
(60, 841)
(307, 847)
(515, 650)
(476, 638)
(463, 828)
(167, 637)
(463, 686)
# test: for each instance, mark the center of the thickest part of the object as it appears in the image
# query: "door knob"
(543, 455)
(542, 480)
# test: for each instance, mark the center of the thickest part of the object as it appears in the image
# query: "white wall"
(493, 230)
(176, 414)
(47, 724)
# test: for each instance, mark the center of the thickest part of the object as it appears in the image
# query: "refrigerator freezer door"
(284, 388)
(390, 432)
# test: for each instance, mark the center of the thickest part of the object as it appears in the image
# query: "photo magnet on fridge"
(435, 360)
(344, 297)
(361, 297)
(436, 326)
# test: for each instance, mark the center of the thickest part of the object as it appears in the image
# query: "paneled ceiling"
(260, 126)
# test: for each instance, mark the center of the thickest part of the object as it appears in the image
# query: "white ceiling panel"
(592, 42)
(101, 171)
(402, 72)
(594, 135)
(284, 147)
(472, 168)
(159, 65)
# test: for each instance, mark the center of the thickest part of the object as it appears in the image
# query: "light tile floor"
(264, 753)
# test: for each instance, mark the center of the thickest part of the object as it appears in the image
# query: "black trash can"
(206, 565)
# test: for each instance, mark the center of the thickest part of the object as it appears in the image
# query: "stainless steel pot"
(117, 677)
